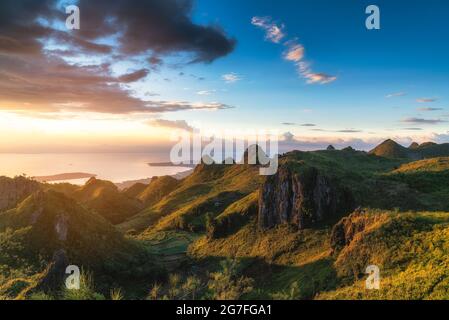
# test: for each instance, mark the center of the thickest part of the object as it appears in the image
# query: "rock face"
(302, 199)
(13, 191)
(345, 230)
(54, 276)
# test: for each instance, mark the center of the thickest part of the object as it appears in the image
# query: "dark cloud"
(349, 131)
(430, 109)
(423, 121)
(134, 76)
(162, 26)
(426, 100)
(34, 78)
(308, 125)
(288, 124)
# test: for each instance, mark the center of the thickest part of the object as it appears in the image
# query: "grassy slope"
(281, 258)
(29, 238)
(210, 189)
(412, 251)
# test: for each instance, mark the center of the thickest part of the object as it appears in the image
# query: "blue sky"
(408, 55)
(127, 75)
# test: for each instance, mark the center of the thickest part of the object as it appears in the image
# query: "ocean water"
(115, 167)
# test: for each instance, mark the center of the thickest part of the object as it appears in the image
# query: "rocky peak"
(14, 191)
(302, 199)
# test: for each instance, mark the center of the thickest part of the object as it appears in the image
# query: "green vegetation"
(199, 237)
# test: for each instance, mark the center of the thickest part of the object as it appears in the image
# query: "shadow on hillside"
(275, 281)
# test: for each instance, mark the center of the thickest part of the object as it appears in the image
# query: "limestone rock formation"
(302, 199)
(14, 191)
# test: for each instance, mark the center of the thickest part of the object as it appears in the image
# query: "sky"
(138, 70)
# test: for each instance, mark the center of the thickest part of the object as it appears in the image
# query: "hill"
(391, 149)
(104, 197)
(48, 226)
(15, 190)
(158, 188)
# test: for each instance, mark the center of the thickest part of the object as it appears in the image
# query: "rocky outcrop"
(14, 191)
(54, 276)
(345, 230)
(302, 199)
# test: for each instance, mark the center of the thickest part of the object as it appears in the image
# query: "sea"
(114, 167)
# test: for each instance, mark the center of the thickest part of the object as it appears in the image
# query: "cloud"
(135, 76)
(349, 131)
(430, 109)
(301, 125)
(46, 69)
(170, 106)
(396, 94)
(177, 124)
(288, 137)
(205, 92)
(423, 121)
(426, 100)
(312, 78)
(273, 32)
(231, 77)
(295, 51)
(413, 129)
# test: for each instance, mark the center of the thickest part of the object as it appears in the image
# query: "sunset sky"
(137, 70)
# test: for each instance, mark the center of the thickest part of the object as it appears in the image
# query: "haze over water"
(115, 167)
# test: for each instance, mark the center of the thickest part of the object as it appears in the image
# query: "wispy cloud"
(426, 100)
(321, 78)
(308, 125)
(396, 94)
(430, 109)
(288, 123)
(349, 131)
(295, 51)
(231, 77)
(177, 124)
(273, 31)
(422, 121)
(205, 92)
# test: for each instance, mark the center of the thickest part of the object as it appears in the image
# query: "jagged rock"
(330, 148)
(55, 274)
(302, 199)
(255, 154)
(14, 191)
(345, 230)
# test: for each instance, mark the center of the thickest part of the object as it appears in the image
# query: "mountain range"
(224, 231)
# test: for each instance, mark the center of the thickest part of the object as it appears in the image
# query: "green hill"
(158, 188)
(105, 198)
(391, 149)
(48, 222)
(294, 235)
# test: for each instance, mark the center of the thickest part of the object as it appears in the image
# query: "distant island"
(169, 164)
(64, 176)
